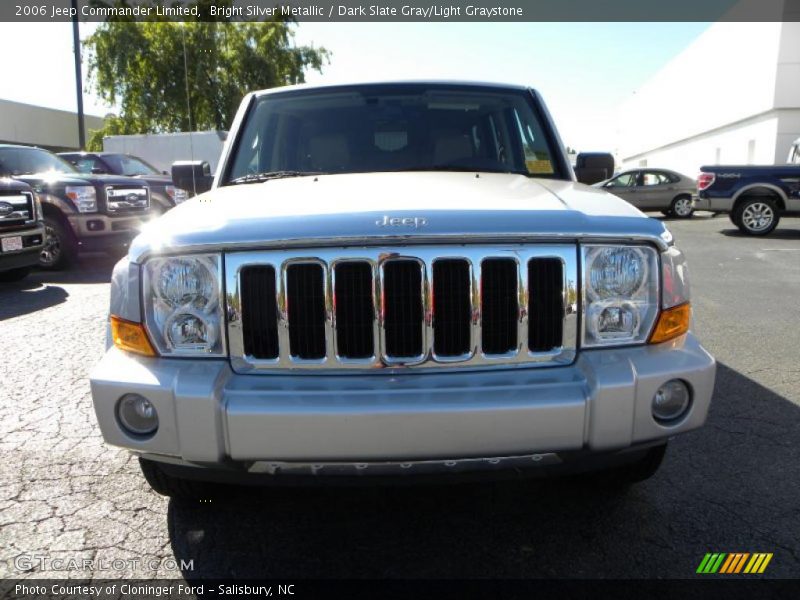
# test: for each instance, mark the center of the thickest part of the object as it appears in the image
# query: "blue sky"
(583, 70)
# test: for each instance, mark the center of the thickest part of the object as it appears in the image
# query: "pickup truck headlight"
(620, 294)
(83, 197)
(183, 312)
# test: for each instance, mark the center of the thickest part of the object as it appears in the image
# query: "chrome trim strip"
(377, 257)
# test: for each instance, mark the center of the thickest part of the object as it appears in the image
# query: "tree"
(139, 67)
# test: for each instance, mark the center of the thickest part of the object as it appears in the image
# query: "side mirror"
(194, 176)
(592, 167)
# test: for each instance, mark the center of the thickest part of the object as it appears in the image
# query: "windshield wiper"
(267, 175)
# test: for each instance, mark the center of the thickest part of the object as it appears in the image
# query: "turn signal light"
(672, 323)
(131, 337)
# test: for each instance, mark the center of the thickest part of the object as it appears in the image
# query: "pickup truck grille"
(427, 307)
(16, 210)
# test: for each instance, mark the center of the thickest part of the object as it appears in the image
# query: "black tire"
(641, 470)
(666, 213)
(679, 207)
(174, 487)
(59, 250)
(14, 274)
(732, 217)
(757, 215)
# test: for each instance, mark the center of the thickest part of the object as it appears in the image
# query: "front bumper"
(94, 231)
(210, 416)
(28, 256)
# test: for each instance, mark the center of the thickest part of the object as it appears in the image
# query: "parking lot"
(731, 487)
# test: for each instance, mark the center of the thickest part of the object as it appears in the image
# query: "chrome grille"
(419, 306)
(22, 210)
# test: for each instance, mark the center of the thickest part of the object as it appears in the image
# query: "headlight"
(177, 194)
(620, 294)
(183, 312)
(83, 197)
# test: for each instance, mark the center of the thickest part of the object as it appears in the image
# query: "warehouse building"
(49, 128)
(731, 97)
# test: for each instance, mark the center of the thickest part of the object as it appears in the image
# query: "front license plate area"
(9, 244)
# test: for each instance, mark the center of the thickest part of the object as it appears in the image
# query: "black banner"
(702, 587)
(401, 10)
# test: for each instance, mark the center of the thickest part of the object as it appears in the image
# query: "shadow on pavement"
(27, 296)
(777, 234)
(729, 487)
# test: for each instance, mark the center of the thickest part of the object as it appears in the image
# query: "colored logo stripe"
(724, 563)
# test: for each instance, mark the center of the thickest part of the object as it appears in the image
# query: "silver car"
(392, 280)
(654, 189)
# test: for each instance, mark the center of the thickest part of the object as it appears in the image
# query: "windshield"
(26, 161)
(123, 164)
(393, 128)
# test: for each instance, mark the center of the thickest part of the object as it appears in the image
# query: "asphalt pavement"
(732, 486)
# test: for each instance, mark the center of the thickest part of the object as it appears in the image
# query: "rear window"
(394, 128)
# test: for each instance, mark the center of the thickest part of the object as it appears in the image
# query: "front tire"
(59, 249)
(14, 274)
(681, 207)
(173, 487)
(756, 216)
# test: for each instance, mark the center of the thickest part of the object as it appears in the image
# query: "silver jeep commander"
(398, 280)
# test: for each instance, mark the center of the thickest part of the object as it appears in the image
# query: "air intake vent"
(402, 306)
(546, 313)
(355, 317)
(306, 307)
(499, 305)
(452, 307)
(259, 312)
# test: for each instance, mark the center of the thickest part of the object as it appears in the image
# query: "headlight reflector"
(83, 197)
(182, 304)
(621, 294)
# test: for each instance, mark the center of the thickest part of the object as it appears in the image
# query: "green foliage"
(139, 67)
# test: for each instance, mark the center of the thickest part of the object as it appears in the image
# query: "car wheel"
(756, 216)
(174, 487)
(58, 251)
(14, 274)
(681, 207)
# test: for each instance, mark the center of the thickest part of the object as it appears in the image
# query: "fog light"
(137, 414)
(671, 401)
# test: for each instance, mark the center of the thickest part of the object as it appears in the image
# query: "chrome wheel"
(682, 207)
(51, 251)
(758, 216)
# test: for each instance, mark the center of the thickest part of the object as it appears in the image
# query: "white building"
(45, 127)
(731, 97)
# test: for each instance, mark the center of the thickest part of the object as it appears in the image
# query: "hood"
(375, 208)
(58, 179)
(155, 180)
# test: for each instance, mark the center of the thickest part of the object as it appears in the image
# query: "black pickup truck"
(81, 211)
(755, 197)
(21, 230)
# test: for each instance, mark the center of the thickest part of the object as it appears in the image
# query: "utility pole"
(76, 43)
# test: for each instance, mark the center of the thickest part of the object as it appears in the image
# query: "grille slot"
(499, 305)
(355, 315)
(402, 308)
(259, 312)
(546, 304)
(452, 312)
(306, 308)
